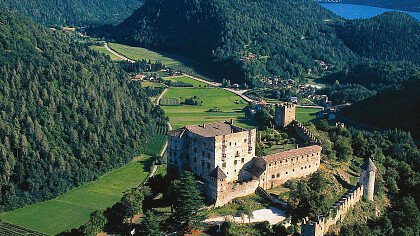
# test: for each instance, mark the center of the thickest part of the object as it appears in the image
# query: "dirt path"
(160, 96)
(117, 54)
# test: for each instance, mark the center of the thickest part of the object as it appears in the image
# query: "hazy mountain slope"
(67, 113)
(240, 38)
(74, 12)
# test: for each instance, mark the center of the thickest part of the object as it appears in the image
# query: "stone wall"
(234, 190)
(336, 214)
(279, 172)
(234, 151)
(305, 134)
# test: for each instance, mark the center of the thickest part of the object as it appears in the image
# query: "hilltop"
(240, 38)
(74, 12)
(67, 113)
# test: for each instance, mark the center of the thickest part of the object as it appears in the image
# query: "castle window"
(244, 140)
(237, 154)
(235, 162)
(273, 176)
(305, 167)
(230, 143)
(208, 165)
(301, 168)
(242, 160)
(286, 172)
(293, 170)
(224, 164)
(278, 175)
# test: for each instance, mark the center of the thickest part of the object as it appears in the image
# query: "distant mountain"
(74, 12)
(394, 109)
(391, 36)
(240, 38)
(67, 114)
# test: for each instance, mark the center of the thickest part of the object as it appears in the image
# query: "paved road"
(117, 54)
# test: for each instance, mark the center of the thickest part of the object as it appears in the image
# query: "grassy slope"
(102, 49)
(138, 53)
(73, 208)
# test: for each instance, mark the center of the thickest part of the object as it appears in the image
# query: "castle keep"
(223, 156)
(285, 114)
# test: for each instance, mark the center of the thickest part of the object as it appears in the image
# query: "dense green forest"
(391, 36)
(67, 113)
(74, 12)
(393, 109)
(240, 39)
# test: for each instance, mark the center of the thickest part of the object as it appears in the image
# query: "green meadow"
(227, 105)
(187, 80)
(73, 208)
(102, 49)
(138, 53)
(306, 114)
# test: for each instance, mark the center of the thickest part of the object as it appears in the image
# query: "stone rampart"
(305, 134)
(235, 190)
(336, 214)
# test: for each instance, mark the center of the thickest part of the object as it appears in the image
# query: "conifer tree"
(150, 225)
(187, 202)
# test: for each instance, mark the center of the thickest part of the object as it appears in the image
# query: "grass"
(187, 80)
(73, 208)
(230, 106)
(306, 114)
(138, 53)
(102, 49)
(253, 202)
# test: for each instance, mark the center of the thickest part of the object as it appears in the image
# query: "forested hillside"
(74, 12)
(391, 36)
(67, 114)
(240, 38)
(394, 109)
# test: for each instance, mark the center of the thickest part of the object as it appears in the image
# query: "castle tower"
(217, 184)
(367, 178)
(285, 113)
(313, 228)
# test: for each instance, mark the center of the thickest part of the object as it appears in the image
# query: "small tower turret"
(285, 113)
(367, 178)
(217, 184)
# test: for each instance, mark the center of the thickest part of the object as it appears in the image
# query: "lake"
(350, 11)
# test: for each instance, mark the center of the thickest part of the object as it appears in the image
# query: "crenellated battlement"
(305, 134)
(336, 213)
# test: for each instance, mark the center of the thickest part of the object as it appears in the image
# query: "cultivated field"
(229, 106)
(306, 114)
(102, 49)
(188, 80)
(138, 53)
(73, 208)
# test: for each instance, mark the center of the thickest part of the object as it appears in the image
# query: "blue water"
(349, 11)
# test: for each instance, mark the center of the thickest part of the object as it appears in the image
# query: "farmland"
(306, 114)
(225, 105)
(73, 208)
(138, 53)
(102, 49)
(187, 80)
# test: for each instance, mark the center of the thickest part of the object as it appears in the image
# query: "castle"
(223, 156)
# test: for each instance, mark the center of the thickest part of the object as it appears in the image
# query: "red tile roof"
(292, 153)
